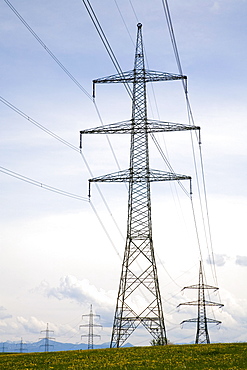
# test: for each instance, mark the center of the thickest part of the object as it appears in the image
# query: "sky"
(60, 254)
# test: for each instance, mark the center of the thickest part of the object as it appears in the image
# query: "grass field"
(192, 357)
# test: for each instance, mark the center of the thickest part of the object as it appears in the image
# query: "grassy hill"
(190, 357)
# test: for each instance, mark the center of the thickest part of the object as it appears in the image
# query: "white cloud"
(36, 326)
(4, 314)
(218, 260)
(80, 291)
(234, 307)
(234, 324)
(215, 7)
(241, 260)
(32, 324)
(32, 329)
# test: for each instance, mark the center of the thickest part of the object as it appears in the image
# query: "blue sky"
(55, 257)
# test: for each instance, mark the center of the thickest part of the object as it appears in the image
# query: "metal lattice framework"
(90, 327)
(202, 335)
(47, 338)
(139, 299)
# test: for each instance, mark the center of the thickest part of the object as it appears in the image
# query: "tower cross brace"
(139, 298)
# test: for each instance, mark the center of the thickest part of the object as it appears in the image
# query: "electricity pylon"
(22, 348)
(47, 337)
(202, 335)
(139, 299)
(3, 347)
(90, 327)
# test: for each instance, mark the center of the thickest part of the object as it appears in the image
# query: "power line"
(164, 157)
(41, 185)
(120, 72)
(208, 221)
(55, 136)
(106, 43)
(104, 228)
(104, 39)
(114, 60)
(110, 53)
(122, 17)
(55, 190)
(104, 201)
(172, 36)
(65, 70)
(191, 119)
(138, 175)
(49, 132)
(47, 49)
(169, 165)
(133, 10)
(152, 135)
(69, 74)
(117, 66)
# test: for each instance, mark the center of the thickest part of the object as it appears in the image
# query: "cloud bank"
(4, 314)
(219, 260)
(80, 291)
(241, 260)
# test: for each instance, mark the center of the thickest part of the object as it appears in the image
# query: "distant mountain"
(39, 346)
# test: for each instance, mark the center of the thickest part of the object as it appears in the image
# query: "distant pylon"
(47, 338)
(3, 347)
(90, 327)
(22, 348)
(139, 298)
(202, 335)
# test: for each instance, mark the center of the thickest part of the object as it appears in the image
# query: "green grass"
(190, 357)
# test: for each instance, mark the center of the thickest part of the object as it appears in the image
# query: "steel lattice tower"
(90, 327)
(47, 338)
(139, 273)
(21, 348)
(202, 321)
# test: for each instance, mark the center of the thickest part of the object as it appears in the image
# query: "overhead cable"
(62, 141)
(121, 15)
(172, 36)
(104, 228)
(208, 220)
(133, 10)
(64, 68)
(160, 150)
(118, 68)
(116, 64)
(47, 49)
(41, 185)
(49, 132)
(191, 119)
(169, 165)
(105, 42)
(102, 196)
